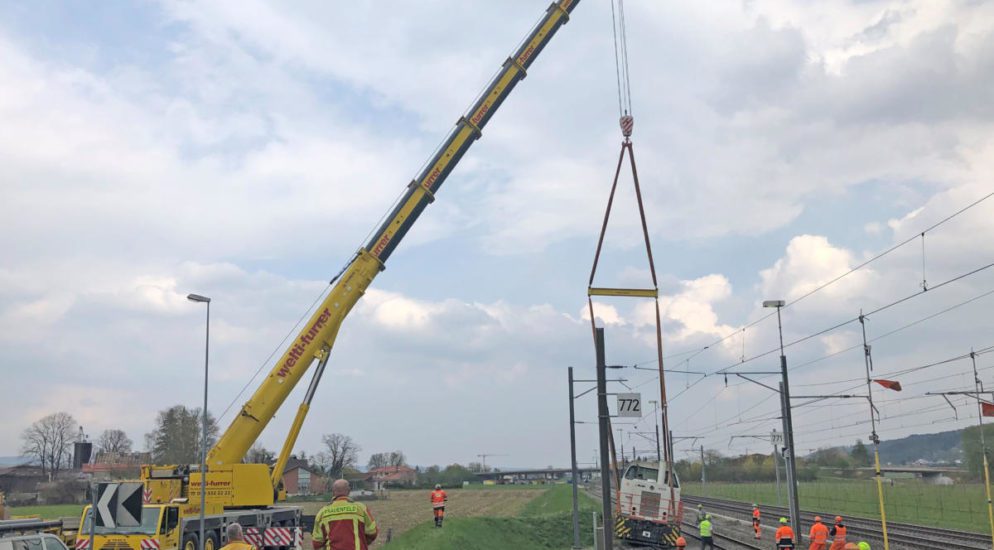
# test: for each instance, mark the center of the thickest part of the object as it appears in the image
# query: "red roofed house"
(300, 478)
(392, 475)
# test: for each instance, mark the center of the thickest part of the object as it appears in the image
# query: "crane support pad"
(637, 292)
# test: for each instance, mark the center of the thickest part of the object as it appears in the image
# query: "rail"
(905, 535)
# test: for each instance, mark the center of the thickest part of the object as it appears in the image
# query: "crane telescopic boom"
(318, 335)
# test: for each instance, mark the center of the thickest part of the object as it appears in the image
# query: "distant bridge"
(927, 473)
(534, 474)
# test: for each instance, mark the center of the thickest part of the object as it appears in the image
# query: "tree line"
(176, 438)
(760, 467)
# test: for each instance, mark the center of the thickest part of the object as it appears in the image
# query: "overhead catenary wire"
(767, 417)
(855, 319)
(830, 282)
(884, 335)
(728, 369)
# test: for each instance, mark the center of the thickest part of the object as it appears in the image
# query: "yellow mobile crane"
(247, 492)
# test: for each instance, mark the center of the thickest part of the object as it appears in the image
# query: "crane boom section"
(468, 129)
(322, 328)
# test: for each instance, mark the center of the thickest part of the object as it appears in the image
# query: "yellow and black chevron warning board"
(658, 535)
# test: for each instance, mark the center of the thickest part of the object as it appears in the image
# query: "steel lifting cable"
(621, 70)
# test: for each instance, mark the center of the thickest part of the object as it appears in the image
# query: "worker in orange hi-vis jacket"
(755, 521)
(438, 499)
(818, 535)
(838, 534)
(784, 536)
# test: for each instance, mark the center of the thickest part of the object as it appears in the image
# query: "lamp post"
(203, 415)
(788, 426)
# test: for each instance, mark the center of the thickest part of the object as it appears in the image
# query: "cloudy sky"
(243, 150)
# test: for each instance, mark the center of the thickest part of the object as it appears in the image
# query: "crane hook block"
(627, 123)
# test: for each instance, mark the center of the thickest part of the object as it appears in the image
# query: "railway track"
(900, 535)
(721, 541)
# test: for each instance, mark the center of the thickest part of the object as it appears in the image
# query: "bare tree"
(340, 452)
(114, 441)
(378, 460)
(50, 441)
(477, 467)
(397, 459)
(382, 460)
(259, 455)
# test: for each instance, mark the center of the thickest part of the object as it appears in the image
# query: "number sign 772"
(630, 405)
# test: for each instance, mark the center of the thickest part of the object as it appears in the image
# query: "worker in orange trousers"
(755, 521)
(438, 499)
(818, 535)
(838, 534)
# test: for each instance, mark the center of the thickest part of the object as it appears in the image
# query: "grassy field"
(544, 523)
(960, 506)
(406, 509)
(51, 511)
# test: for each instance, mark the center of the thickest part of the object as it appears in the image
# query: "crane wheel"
(191, 542)
(212, 542)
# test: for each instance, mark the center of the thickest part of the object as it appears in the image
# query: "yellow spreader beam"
(636, 292)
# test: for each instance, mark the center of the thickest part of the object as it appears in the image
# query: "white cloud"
(254, 143)
(605, 313)
(811, 261)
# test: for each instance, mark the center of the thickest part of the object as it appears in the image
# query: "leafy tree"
(50, 441)
(833, 457)
(341, 452)
(114, 441)
(859, 454)
(971, 448)
(177, 435)
(455, 474)
(452, 476)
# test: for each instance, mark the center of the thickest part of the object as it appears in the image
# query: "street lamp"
(203, 415)
(788, 425)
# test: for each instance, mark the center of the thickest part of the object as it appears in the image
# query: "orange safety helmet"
(838, 519)
(681, 542)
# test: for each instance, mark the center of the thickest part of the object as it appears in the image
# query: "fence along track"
(907, 535)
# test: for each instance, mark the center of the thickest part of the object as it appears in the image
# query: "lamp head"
(773, 303)
(198, 298)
